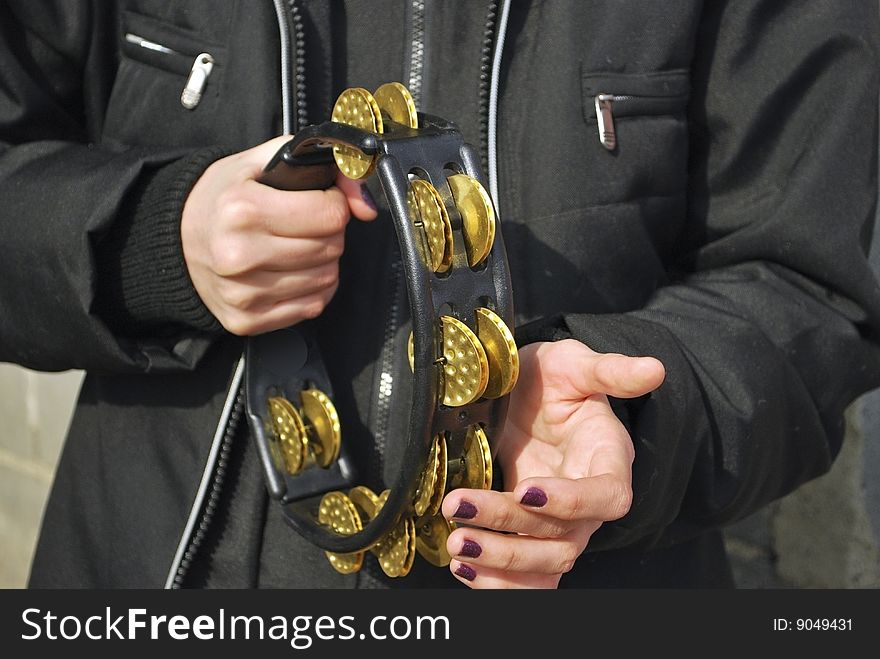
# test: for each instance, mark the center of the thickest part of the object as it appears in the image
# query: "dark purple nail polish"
(367, 196)
(535, 497)
(466, 572)
(470, 549)
(466, 510)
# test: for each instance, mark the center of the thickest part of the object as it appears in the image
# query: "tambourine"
(463, 357)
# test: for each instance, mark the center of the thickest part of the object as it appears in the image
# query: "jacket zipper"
(205, 505)
(199, 71)
(386, 356)
(299, 66)
(486, 81)
(417, 62)
(605, 118)
(611, 107)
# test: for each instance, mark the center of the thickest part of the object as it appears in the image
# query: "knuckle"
(236, 210)
(510, 562)
(554, 529)
(620, 501)
(572, 512)
(567, 557)
(329, 277)
(328, 293)
(313, 309)
(238, 324)
(230, 256)
(335, 215)
(504, 520)
(334, 247)
(238, 297)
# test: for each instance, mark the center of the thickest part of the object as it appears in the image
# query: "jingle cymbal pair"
(346, 514)
(358, 107)
(474, 471)
(430, 214)
(312, 433)
(482, 364)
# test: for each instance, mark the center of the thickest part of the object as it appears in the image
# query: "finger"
(278, 316)
(237, 254)
(499, 511)
(300, 214)
(258, 290)
(601, 498)
(490, 578)
(292, 254)
(519, 553)
(360, 200)
(612, 374)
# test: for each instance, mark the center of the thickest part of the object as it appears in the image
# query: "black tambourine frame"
(286, 361)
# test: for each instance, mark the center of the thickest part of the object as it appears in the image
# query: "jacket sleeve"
(768, 328)
(92, 270)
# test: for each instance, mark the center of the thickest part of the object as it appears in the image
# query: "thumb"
(584, 372)
(360, 201)
(257, 157)
(620, 376)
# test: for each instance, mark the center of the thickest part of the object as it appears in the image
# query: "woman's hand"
(567, 465)
(262, 259)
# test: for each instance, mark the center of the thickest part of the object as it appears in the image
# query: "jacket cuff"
(144, 285)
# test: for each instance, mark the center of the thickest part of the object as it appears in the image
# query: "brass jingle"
(366, 501)
(396, 551)
(432, 485)
(476, 471)
(427, 210)
(431, 537)
(338, 512)
(291, 434)
(356, 107)
(465, 367)
(425, 489)
(410, 352)
(395, 100)
(501, 353)
(477, 216)
(326, 433)
(442, 475)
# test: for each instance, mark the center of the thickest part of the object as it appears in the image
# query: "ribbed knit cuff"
(555, 328)
(144, 284)
(551, 328)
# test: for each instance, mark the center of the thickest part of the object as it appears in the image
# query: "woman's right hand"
(262, 259)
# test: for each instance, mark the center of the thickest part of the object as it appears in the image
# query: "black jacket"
(725, 234)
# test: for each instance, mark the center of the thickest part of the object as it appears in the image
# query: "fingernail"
(466, 510)
(466, 572)
(535, 497)
(367, 196)
(470, 549)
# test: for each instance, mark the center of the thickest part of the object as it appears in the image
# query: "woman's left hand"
(567, 465)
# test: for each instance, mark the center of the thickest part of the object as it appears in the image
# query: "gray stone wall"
(34, 412)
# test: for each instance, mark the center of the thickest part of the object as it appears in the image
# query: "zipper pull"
(198, 78)
(605, 120)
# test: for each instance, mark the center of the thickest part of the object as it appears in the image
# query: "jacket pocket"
(637, 133)
(610, 99)
(167, 85)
